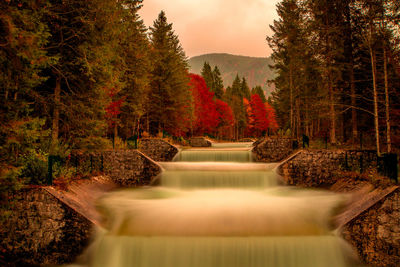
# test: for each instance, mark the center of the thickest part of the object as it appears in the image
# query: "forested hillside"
(255, 70)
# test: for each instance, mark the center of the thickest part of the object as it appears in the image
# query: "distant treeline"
(338, 69)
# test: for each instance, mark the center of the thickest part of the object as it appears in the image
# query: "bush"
(34, 168)
(93, 143)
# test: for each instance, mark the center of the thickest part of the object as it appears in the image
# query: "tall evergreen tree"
(207, 74)
(217, 83)
(169, 79)
(245, 89)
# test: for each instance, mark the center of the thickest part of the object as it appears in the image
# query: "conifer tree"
(169, 79)
(208, 76)
(218, 83)
(245, 89)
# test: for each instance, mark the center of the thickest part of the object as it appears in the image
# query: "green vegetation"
(337, 65)
(78, 74)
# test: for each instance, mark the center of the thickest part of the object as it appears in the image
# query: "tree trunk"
(291, 99)
(376, 118)
(56, 112)
(332, 111)
(298, 119)
(353, 105)
(387, 102)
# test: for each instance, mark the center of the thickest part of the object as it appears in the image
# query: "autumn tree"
(206, 115)
(226, 120)
(259, 91)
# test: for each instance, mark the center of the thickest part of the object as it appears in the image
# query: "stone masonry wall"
(376, 233)
(200, 142)
(42, 230)
(157, 149)
(319, 168)
(124, 167)
(272, 150)
(130, 167)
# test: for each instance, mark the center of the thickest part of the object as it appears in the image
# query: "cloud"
(206, 26)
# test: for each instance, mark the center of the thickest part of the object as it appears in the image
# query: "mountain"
(255, 69)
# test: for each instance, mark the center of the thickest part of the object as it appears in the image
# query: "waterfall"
(214, 207)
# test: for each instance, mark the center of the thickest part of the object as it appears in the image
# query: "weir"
(224, 211)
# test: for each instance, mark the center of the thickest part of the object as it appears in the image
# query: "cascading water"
(218, 214)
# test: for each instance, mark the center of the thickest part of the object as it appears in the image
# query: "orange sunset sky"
(214, 26)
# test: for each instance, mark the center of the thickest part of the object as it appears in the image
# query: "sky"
(236, 27)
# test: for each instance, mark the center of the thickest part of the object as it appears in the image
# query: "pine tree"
(245, 89)
(169, 79)
(134, 50)
(218, 83)
(207, 75)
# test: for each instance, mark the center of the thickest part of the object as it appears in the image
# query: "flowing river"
(214, 207)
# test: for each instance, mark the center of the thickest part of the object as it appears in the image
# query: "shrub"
(34, 168)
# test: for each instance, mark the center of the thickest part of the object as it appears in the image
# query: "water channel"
(215, 207)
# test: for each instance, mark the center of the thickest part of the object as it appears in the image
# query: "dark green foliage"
(208, 76)
(34, 170)
(218, 83)
(245, 89)
(169, 93)
(322, 52)
(213, 80)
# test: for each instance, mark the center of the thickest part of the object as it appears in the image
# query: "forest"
(89, 75)
(338, 71)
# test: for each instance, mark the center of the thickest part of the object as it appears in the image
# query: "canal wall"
(323, 168)
(41, 229)
(371, 221)
(157, 149)
(272, 149)
(51, 226)
(375, 233)
(200, 142)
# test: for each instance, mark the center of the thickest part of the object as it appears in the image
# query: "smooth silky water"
(218, 214)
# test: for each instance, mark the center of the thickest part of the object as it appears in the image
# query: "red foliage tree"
(226, 119)
(114, 107)
(206, 116)
(271, 117)
(258, 122)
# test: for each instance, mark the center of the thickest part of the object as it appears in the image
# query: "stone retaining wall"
(200, 142)
(157, 149)
(273, 150)
(130, 167)
(42, 230)
(125, 167)
(376, 232)
(320, 168)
